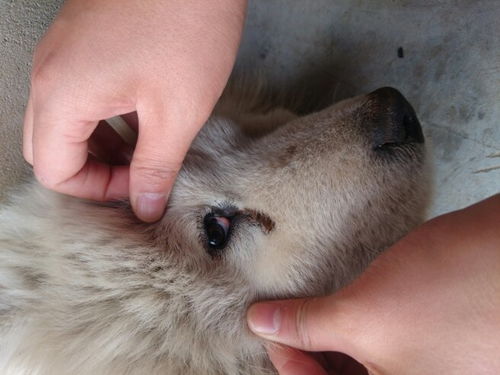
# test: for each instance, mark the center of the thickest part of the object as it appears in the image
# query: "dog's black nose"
(395, 120)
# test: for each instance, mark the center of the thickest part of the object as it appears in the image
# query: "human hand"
(167, 60)
(428, 305)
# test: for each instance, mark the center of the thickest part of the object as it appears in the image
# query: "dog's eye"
(217, 230)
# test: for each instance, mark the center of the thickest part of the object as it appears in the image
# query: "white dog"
(268, 205)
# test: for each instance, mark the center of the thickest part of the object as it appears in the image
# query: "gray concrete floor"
(331, 49)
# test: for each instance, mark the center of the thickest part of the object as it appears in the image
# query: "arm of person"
(429, 305)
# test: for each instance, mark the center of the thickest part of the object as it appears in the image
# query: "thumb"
(161, 146)
(310, 324)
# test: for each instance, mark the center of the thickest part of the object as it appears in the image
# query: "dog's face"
(303, 209)
(297, 211)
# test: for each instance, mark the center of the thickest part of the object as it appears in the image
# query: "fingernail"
(264, 318)
(150, 206)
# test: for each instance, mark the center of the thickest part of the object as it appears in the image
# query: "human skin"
(428, 305)
(167, 60)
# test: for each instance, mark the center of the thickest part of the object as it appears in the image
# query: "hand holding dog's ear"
(167, 60)
(428, 305)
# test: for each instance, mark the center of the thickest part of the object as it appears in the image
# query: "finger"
(28, 132)
(161, 146)
(322, 324)
(307, 324)
(61, 163)
(289, 361)
(99, 182)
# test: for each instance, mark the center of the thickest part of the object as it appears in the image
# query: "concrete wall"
(22, 22)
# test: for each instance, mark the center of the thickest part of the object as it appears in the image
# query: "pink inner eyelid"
(223, 221)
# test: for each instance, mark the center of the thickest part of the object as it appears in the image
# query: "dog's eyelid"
(225, 210)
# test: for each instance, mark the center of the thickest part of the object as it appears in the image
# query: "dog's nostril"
(412, 128)
(395, 121)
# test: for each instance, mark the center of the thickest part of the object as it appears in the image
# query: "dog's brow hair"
(263, 219)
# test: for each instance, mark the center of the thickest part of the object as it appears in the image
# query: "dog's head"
(298, 211)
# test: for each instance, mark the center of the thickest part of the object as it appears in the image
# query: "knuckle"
(154, 170)
(48, 68)
(28, 154)
(302, 323)
(43, 74)
(48, 177)
(46, 180)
